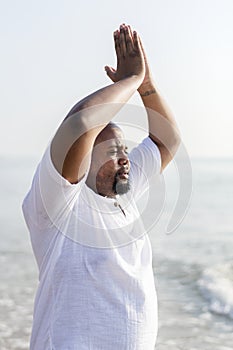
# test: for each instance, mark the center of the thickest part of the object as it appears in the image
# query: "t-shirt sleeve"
(51, 196)
(145, 160)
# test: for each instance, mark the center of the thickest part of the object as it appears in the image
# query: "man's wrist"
(147, 89)
(147, 92)
(136, 79)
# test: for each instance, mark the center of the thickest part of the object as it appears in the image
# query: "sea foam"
(216, 285)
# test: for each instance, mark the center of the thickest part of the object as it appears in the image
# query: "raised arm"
(162, 126)
(73, 142)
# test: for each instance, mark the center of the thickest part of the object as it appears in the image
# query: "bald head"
(111, 131)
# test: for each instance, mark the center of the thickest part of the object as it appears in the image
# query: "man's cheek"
(106, 172)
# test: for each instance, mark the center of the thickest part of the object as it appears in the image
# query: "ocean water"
(193, 266)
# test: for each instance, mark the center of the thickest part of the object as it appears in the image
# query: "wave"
(216, 285)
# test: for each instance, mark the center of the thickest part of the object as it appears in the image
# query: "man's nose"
(123, 159)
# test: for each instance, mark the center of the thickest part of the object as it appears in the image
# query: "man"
(96, 288)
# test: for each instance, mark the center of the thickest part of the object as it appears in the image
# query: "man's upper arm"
(71, 149)
(166, 154)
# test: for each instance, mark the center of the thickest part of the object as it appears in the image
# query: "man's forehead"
(117, 142)
(111, 135)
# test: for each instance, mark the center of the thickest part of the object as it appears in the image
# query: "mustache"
(122, 170)
(119, 187)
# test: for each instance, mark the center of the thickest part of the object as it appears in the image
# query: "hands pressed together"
(131, 58)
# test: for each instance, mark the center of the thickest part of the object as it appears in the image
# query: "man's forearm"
(100, 107)
(162, 126)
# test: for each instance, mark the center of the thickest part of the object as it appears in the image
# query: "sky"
(53, 54)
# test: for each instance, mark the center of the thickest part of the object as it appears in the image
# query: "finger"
(111, 72)
(142, 48)
(130, 31)
(136, 41)
(143, 51)
(122, 41)
(129, 40)
(117, 44)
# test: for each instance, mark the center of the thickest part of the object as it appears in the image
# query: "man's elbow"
(169, 150)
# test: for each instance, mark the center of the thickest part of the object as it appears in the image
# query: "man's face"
(109, 171)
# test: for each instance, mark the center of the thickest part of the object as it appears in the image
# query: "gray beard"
(120, 187)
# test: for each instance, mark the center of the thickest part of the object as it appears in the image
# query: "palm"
(130, 60)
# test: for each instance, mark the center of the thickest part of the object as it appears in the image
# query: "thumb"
(111, 72)
(142, 48)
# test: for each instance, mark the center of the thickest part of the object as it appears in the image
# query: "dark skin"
(163, 130)
(75, 138)
(109, 163)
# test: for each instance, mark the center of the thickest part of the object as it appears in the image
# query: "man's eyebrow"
(118, 146)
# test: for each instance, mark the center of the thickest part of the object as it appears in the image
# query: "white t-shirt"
(96, 286)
